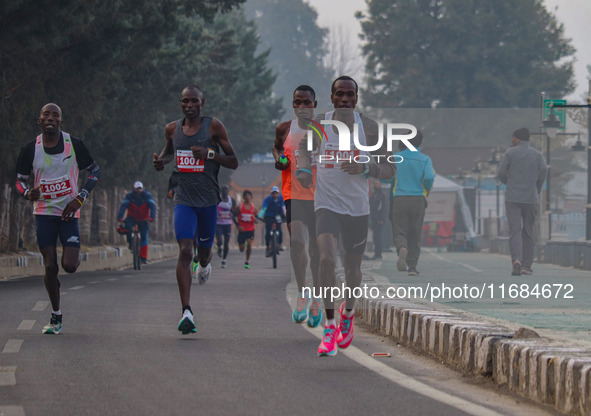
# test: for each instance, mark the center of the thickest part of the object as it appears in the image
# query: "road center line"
(402, 379)
(26, 325)
(40, 306)
(7, 375)
(12, 411)
(12, 346)
(77, 288)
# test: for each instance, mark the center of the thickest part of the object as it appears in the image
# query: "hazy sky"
(575, 14)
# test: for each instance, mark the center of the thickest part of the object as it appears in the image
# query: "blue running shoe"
(315, 314)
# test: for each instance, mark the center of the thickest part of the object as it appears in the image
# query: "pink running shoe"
(328, 344)
(345, 329)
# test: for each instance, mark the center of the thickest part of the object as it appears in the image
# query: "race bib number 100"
(186, 162)
(54, 188)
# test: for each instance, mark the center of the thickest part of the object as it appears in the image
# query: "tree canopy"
(463, 53)
(117, 70)
(288, 29)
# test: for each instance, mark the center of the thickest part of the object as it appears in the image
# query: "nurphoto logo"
(343, 151)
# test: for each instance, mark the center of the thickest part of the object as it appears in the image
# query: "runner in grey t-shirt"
(194, 144)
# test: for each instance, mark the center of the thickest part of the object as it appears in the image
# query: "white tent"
(441, 204)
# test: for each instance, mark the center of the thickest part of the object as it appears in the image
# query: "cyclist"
(141, 208)
(273, 206)
(247, 218)
(299, 203)
(223, 228)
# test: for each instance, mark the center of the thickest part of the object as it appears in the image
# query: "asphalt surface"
(121, 354)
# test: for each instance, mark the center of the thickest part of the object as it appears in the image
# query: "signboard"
(558, 111)
(440, 206)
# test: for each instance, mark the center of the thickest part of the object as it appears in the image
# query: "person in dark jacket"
(523, 169)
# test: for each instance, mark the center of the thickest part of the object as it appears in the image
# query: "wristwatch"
(210, 153)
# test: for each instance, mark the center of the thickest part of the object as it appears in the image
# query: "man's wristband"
(303, 170)
(26, 193)
(366, 170)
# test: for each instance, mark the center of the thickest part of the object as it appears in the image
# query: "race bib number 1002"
(55, 188)
(186, 162)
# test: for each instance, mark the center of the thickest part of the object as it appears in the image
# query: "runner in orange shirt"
(299, 202)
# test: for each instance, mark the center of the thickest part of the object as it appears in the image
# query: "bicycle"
(135, 247)
(274, 243)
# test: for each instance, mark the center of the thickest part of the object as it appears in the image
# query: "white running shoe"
(187, 324)
(203, 273)
(223, 264)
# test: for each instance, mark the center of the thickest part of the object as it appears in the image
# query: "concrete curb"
(96, 258)
(538, 368)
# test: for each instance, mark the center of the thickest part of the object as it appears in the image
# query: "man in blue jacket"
(412, 183)
(273, 206)
(141, 208)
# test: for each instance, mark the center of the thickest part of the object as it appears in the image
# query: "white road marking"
(40, 306)
(474, 269)
(93, 283)
(12, 411)
(12, 346)
(437, 256)
(7, 375)
(112, 279)
(77, 288)
(401, 379)
(26, 325)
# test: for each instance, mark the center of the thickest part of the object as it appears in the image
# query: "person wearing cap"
(273, 206)
(523, 169)
(141, 209)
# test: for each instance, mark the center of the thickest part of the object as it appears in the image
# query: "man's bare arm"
(281, 132)
(379, 166)
(167, 153)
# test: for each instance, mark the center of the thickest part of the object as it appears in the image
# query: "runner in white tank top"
(342, 205)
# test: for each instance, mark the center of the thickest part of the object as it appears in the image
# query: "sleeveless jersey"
(225, 212)
(336, 190)
(291, 187)
(246, 217)
(57, 176)
(197, 180)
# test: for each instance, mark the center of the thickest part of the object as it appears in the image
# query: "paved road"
(565, 315)
(120, 354)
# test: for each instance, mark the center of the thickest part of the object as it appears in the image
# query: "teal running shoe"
(54, 326)
(300, 313)
(315, 314)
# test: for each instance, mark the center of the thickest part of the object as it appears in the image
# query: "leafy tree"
(463, 53)
(289, 30)
(82, 55)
